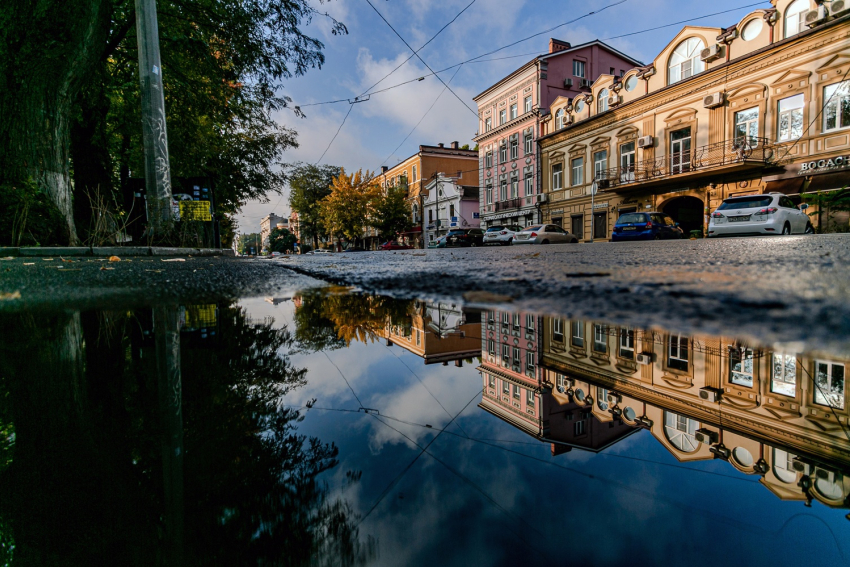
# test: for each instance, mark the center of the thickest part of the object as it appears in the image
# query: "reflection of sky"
(504, 500)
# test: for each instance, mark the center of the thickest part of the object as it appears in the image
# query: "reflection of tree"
(333, 318)
(85, 480)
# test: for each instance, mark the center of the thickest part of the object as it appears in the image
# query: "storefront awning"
(829, 181)
(790, 186)
(414, 230)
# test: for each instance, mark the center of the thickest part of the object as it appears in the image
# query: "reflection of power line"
(344, 378)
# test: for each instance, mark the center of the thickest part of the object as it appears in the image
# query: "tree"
(392, 214)
(281, 240)
(250, 241)
(346, 211)
(308, 185)
(827, 204)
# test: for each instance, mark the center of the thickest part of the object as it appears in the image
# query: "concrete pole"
(154, 136)
(592, 210)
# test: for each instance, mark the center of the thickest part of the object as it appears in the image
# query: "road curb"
(107, 251)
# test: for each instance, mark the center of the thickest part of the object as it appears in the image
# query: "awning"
(829, 181)
(790, 186)
(415, 230)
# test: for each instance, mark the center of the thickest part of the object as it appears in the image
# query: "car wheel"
(786, 228)
(545, 242)
(472, 245)
(657, 237)
(809, 228)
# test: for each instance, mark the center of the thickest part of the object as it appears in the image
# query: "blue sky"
(354, 62)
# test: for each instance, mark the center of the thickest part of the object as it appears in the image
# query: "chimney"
(384, 168)
(454, 145)
(556, 45)
(440, 145)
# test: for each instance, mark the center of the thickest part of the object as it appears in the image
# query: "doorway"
(680, 150)
(687, 211)
(600, 225)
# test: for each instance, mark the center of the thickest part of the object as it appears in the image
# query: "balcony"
(509, 204)
(678, 167)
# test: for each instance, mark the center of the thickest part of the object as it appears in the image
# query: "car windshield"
(538, 227)
(631, 217)
(495, 228)
(745, 203)
(456, 232)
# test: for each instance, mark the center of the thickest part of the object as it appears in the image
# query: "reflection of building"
(437, 333)
(752, 108)
(268, 224)
(780, 415)
(448, 205)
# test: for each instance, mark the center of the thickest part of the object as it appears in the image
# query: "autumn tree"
(346, 211)
(392, 214)
(308, 185)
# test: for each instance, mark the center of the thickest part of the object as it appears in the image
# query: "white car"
(770, 213)
(502, 235)
(543, 234)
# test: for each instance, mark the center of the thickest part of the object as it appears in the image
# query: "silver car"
(768, 213)
(503, 235)
(544, 234)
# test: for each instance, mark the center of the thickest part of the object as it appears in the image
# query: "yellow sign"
(199, 316)
(195, 210)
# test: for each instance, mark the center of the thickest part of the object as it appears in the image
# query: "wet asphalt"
(773, 290)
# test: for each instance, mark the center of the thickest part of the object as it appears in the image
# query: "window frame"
(602, 101)
(747, 123)
(600, 339)
(488, 123)
(626, 349)
(790, 114)
(513, 111)
(577, 171)
(816, 391)
(557, 176)
(784, 379)
(529, 183)
(558, 329)
(488, 159)
(837, 103)
(503, 152)
(742, 357)
(514, 146)
(503, 116)
(528, 142)
(800, 16)
(692, 63)
(579, 69)
(528, 103)
(678, 358)
(600, 172)
(577, 334)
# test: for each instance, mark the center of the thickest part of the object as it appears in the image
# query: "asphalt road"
(774, 289)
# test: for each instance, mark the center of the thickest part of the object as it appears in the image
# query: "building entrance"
(687, 211)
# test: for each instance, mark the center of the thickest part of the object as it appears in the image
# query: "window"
(836, 110)
(680, 431)
(601, 398)
(577, 177)
(627, 344)
(489, 193)
(558, 330)
(488, 160)
(513, 111)
(529, 360)
(516, 321)
(503, 116)
(677, 353)
(829, 384)
(631, 83)
(560, 119)
(783, 374)
(529, 144)
(529, 398)
(414, 177)
(491, 317)
(611, 70)
(503, 152)
(491, 346)
(506, 318)
(579, 427)
(783, 466)
(451, 211)
(516, 356)
(515, 146)
(602, 101)
(529, 183)
(528, 103)
(488, 124)
(578, 68)
(557, 176)
(627, 162)
(430, 216)
(506, 353)
(491, 380)
(506, 387)
(680, 150)
(795, 17)
(600, 165)
(752, 29)
(600, 338)
(747, 126)
(790, 125)
(516, 392)
(514, 185)
(579, 106)
(529, 323)
(685, 61)
(741, 366)
(577, 338)
(503, 189)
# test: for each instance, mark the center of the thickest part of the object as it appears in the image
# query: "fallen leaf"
(535, 255)
(47, 259)
(157, 271)
(11, 295)
(174, 260)
(486, 297)
(105, 268)
(114, 259)
(29, 263)
(64, 260)
(8, 258)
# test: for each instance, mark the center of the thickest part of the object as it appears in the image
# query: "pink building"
(509, 124)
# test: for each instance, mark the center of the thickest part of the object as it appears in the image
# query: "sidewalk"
(131, 251)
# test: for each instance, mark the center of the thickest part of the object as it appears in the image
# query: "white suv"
(771, 213)
(502, 234)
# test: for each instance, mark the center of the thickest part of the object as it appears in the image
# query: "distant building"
(295, 225)
(448, 205)
(268, 224)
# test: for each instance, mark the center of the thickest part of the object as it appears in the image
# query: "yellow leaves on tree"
(345, 212)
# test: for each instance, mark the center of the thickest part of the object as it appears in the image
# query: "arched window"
(680, 430)
(602, 101)
(559, 119)
(795, 17)
(685, 61)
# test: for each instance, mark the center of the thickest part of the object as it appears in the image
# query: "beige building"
(268, 224)
(761, 106)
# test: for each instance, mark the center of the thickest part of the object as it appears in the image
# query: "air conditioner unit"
(646, 141)
(824, 474)
(569, 119)
(568, 83)
(800, 466)
(541, 198)
(837, 7)
(714, 100)
(706, 436)
(614, 398)
(720, 451)
(584, 83)
(711, 53)
(816, 17)
(644, 421)
(709, 394)
(643, 358)
(614, 100)
(616, 412)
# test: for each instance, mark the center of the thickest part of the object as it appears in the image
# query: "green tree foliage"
(827, 204)
(392, 214)
(281, 240)
(249, 241)
(346, 211)
(308, 185)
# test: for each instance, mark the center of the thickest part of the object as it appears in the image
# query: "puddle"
(334, 428)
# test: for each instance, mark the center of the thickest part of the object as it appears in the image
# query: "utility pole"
(154, 135)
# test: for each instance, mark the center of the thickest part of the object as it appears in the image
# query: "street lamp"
(593, 187)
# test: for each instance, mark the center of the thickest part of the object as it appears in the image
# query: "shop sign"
(823, 165)
(600, 205)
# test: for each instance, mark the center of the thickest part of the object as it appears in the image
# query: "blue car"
(646, 226)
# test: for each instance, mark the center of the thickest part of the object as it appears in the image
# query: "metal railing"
(509, 204)
(750, 150)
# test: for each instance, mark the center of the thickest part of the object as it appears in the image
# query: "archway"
(687, 211)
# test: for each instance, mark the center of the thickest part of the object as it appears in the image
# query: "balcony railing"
(753, 152)
(509, 204)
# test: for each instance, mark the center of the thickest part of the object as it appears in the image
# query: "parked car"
(275, 254)
(465, 237)
(646, 226)
(438, 243)
(771, 213)
(543, 234)
(393, 245)
(501, 234)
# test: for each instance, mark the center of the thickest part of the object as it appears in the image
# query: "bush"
(29, 218)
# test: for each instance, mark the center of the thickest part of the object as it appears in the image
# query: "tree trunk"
(47, 50)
